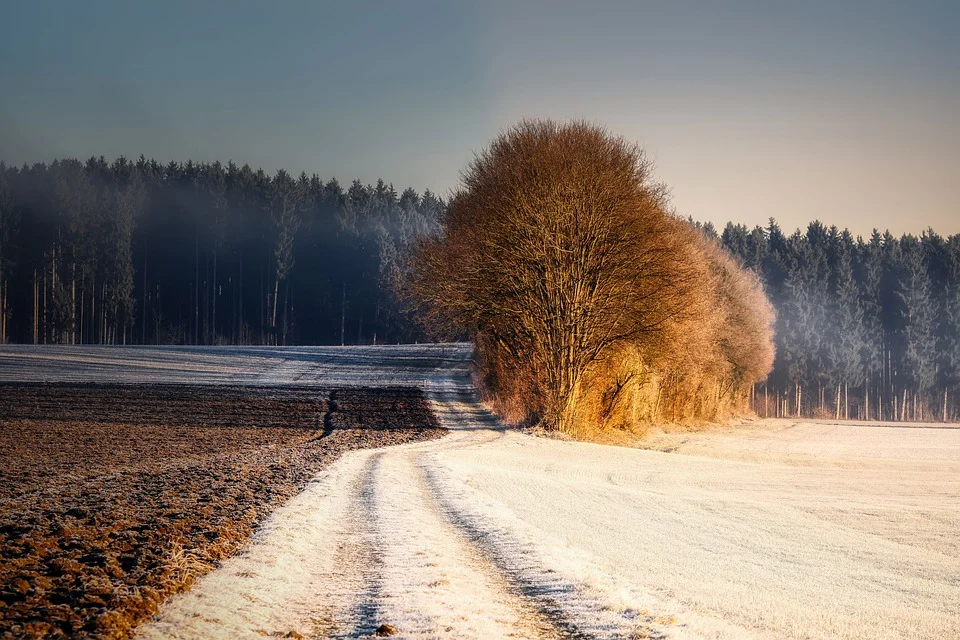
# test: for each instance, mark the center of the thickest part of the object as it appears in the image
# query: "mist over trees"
(866, 328)
(192, 253)
(590, 304)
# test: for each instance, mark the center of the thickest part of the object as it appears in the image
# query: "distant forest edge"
(866, 329)
(194, 253)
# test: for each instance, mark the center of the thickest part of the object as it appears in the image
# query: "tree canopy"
(558, 254)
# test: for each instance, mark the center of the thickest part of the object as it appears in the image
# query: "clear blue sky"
(844, 111)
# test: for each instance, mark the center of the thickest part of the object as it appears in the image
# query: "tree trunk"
(205, 297)
(196, 288)
(891, 389)
(83, 306)
(143, 305)
(35, 309)
(263, 319)
(945, 416)
(213, 303)
(54, 334)
(799, 398)
(286, 308)
(866, 399)
(73, 302)
(240, 301)
(343, 314)
(656, 404)
(837, 408)
(273, 319)
(104, 320)
(43, 332)
(92, 330)
(102, 338)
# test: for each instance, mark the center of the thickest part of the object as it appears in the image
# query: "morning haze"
(456, 320)
(828, 111)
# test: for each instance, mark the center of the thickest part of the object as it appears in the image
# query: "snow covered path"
(377, 538)
(774, 530)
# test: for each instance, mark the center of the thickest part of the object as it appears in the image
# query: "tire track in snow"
(359, 564)
(441, 585)
(561, 608)
(565, 609)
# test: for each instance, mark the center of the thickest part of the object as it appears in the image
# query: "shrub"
(560, 257)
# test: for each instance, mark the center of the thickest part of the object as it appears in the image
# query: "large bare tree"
(557, 248)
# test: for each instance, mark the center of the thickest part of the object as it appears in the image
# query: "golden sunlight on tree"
(590, 304)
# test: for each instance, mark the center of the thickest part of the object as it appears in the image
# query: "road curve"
(378, 538)
(776, 530)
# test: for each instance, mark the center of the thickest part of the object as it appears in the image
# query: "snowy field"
(777, 529)
(309, 366)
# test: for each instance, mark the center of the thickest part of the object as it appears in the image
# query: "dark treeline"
(144, 253)
(190, 253)
(866, 328)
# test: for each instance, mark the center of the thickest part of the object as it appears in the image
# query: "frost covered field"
(773, 530)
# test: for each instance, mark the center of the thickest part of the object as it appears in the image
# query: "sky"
(846, 112)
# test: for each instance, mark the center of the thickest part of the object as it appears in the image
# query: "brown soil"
(113, 497)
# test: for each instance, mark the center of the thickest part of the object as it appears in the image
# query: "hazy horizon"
(749, 112)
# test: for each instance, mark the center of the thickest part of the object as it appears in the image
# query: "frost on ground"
(403, 365)
(776, 529)
(821, 546)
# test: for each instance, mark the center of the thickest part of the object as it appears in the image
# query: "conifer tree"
(949, 335)
(8, 223)
(845, 343)
(285, 211)
(919, 309)
(869, 271)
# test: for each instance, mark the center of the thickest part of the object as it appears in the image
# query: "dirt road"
(773, 530)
